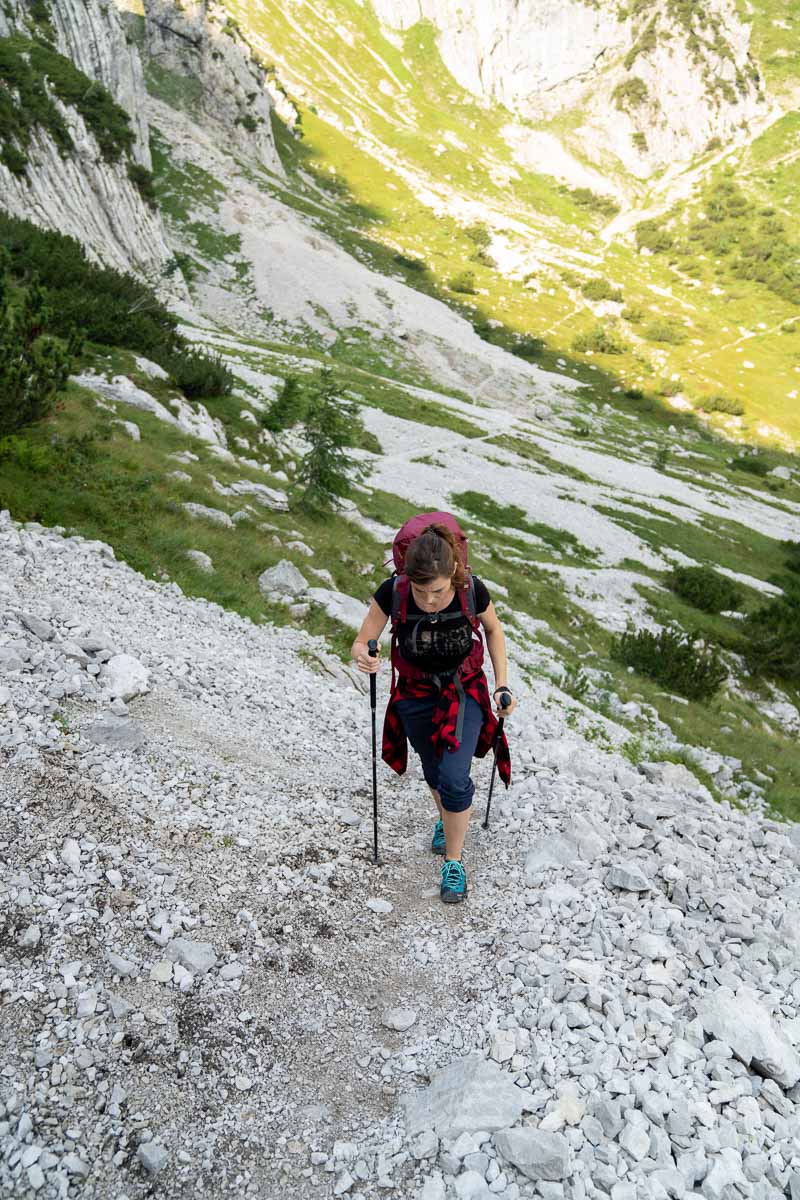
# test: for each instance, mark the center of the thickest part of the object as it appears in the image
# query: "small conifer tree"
(326, 473)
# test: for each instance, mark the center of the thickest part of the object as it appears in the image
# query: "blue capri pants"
(450, 774)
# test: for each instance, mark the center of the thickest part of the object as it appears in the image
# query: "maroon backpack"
(402, 589)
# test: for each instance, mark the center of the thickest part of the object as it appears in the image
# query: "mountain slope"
(425, 163)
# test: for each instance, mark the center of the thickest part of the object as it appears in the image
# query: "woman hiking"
(439, 699)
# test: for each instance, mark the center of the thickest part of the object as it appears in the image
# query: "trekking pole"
(505, 701)
(372, 646)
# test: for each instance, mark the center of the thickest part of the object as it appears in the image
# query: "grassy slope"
(385, 150)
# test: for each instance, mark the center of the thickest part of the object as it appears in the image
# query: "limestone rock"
(197, 957)
(538, 1155)
(202, 511)
(283, 578)
(742, 1022)
(124, 677)
(469, 1094)
(201, 560)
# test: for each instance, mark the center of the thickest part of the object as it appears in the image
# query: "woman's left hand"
(498, 696)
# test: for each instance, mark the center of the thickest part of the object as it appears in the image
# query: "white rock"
(201, 560)
(203, 512)
(124, 677)
(71, 855)
(283, 578)
(399, 1019)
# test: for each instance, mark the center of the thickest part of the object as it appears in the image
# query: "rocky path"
(206, 986)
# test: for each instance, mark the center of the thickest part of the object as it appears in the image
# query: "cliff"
(653, 83)
(91, 181)
(201, 43)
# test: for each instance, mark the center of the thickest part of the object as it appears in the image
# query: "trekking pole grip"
(372, 647)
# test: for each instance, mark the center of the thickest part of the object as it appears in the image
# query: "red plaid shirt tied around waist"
(447, 718)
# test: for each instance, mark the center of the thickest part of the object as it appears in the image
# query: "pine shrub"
(600, 340)
(464, 283)
(200, 374)
(705, 589)
(665, 331)
(771, 641)
(601, 289)
(673, 659)
(723, 404)
(33, 366)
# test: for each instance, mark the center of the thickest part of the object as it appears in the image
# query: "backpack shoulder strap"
(400, 591)
(467, 600)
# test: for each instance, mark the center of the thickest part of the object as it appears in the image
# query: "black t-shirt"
(430, 643)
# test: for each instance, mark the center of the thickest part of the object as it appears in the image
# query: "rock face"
(540, 57)
(192, 39)
(82, 194)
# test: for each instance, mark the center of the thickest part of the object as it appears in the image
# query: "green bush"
(142, 179)
(650, 236)
(107, 306)
(408, 263)
(633, 313)
(722, 404)
(753, 464)
(639, 141)
(479, 235)
(605, 206)
(771, 642)
(665, 331)
(792, 555)
(288, 408)
(599, 340)
(601, 289)
(34, 367)
(630, 93)
(705, 589)
(199, 374)
(464, 283)
(673, 659)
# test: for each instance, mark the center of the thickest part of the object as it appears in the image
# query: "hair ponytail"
(435, 553)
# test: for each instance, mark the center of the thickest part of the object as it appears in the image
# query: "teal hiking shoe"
(454, 881)
(437, 842)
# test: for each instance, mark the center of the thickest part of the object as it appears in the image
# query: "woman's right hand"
(365, 661)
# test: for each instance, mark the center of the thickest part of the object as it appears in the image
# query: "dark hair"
(435, 553)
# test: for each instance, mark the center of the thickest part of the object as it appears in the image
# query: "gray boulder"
(39, 628)
(201, 561)
(202, 511)
(537, 1154)
(672, 775)
(552, 851)
(628, 876)
(739, 1020)
(283, 578)
(466, 1095)
(10, 660)
(121, 733)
